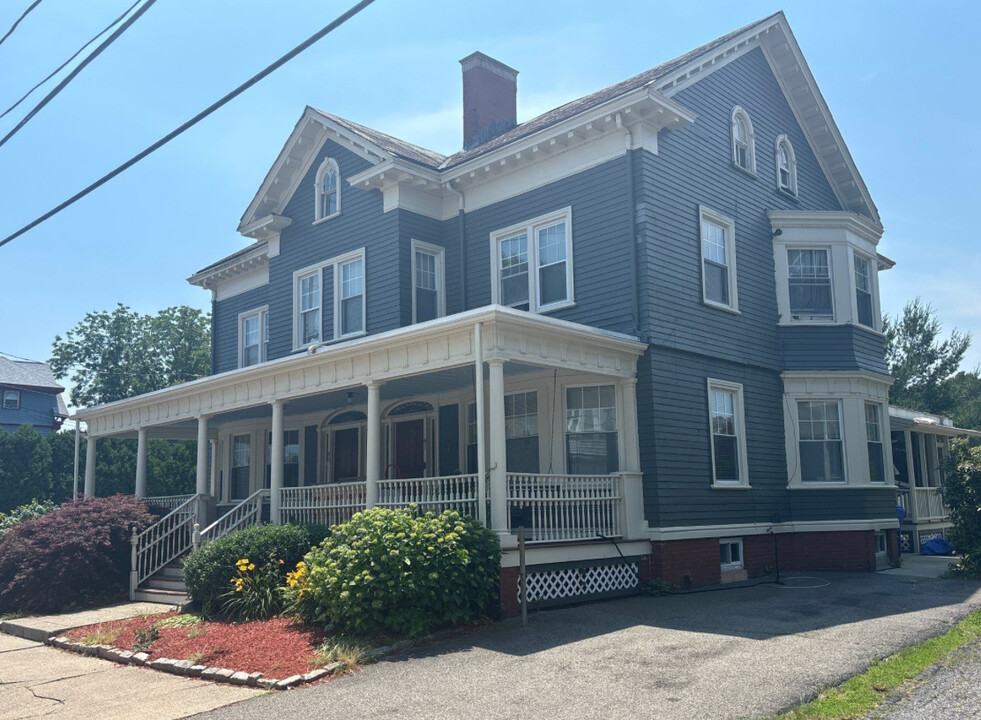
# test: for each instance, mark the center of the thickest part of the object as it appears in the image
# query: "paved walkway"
(721, 655)
(40, 681)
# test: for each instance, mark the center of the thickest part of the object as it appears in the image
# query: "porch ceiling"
(408, 361)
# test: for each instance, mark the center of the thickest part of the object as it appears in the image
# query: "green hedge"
(208, 571)
(395, 572)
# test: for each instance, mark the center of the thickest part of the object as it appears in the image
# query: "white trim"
(260, 312)
(841, 432)
(740, 420)
(335, 263)
(569, 552)
(318, 194)
(694, 532)
(737, 114)
(733, 564)
(299, 275)
(791, 165)
(338, 263)
(706, 214)
(14, 393)
(439, 253)
(563, 421)
(530, 228)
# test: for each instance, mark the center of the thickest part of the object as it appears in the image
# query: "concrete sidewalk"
(40, 627)
(40, 681)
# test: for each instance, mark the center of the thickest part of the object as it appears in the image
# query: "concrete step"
(163, 597)
(158, 583)
(170, 573)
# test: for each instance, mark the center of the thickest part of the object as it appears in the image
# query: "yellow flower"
(251, 566)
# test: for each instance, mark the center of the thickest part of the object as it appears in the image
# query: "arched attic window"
(786, 166)
(743, 146)
(328, 190)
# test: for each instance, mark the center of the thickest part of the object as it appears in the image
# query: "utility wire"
(78, 68)
(17, 22)
(340, 20)
(77, 53)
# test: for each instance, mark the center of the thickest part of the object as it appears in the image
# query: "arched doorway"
(411, 431)
(343, 442)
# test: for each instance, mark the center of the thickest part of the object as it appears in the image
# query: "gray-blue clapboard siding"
(838, 347)
(36, 408)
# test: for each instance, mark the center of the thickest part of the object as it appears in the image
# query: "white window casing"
(742, 140)
(253, 336)
(786, 165)
(810, 284)
(717, 238)
(327, 191)
(349, 299)
(428, 269)
(350, 311)
(533, 263)
(866, 308)
(11, 399)
(731, 553)
(727, 434)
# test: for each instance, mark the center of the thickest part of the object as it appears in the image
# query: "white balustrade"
(161, 543)
(167, 502)
(328, 505)
(930, 504)
(431, 494)
(555, 508)
(246, 513)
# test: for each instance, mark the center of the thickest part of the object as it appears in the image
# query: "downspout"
(462, 225)
(632, 223)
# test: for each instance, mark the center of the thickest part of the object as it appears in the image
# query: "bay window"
(873, 436)
(809, 283)
(863, 292)
(820, 444)
(591, 430)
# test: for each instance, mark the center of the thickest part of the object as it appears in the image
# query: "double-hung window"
(729, 466)
(471, 437)
(821, 450)
(291, 458)
(253, 334)
(786, 166)
(350, 315)
(743, 146)
(11, 399)
(309, 298)
(809, 281)
(873, 436)
(718, 259)
(521, 431)
(591, 430)
(533, 263)
(863, 291)
(241, 466)
(428, 296)
(327, 194)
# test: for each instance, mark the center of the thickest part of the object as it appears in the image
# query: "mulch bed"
(276, 648)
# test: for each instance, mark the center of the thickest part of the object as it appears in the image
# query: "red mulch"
(277, 648)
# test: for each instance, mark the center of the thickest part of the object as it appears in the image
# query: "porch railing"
(555, 508)
(161, 543)
(902, 500)
(930, 504)
(167, 502)
(246, 513)
(431, 494)
(322, 504)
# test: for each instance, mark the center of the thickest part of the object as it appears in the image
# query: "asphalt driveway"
(735, 653)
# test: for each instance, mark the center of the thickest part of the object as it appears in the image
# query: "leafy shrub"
(208, 571)
(76, 554)
(30, 511)
(396, 572)
(256, 593)
(962, 494)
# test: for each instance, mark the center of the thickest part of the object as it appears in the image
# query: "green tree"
(962, 494)
(25, 468)
(965, 390)
(922, 362)
(114, 355)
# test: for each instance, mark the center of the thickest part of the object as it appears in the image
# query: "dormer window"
(11, 399)
(328, 194)
(786, 166)
(743, 148)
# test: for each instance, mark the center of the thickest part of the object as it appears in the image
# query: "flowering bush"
(256, 592)
(208, 570)
(77, 554)
(32, 510)
(396, 572)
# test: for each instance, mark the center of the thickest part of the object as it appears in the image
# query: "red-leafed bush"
(76, 555)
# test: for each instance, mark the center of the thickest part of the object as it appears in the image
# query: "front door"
(410, 448)
(347, 450)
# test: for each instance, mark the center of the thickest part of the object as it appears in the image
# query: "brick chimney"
(490, 91)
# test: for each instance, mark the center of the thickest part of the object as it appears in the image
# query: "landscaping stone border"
(234, 677)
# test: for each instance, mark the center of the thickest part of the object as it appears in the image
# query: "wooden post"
(522, 576)
(134, 573)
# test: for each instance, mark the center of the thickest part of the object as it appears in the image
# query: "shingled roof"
(24, 374)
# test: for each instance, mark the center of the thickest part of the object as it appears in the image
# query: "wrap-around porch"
(517, 419)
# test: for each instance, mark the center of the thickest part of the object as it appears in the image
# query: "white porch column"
(140, 489)
(634, 524)
(201, 486)
(214, 468)
(910, 477)
(90, 443)
(373, 466)
(498, 450)
(277, 454)
(481, 438)
(629, 430)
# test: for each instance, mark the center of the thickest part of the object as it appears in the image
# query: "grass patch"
(863, 693)
(179, 621)
(341, 650)
(103, 636)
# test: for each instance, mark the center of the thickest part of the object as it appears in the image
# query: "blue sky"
(897, 76)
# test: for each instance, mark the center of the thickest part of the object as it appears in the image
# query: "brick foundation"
(509, 592)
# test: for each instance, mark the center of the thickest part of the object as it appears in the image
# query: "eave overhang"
(239, 264)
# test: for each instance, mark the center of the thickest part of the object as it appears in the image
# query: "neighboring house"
(920, 448)
(30, 395)
(648, 316)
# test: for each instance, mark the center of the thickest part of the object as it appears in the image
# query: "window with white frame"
(328, 193)
(291, 458)
(718, 259)
(786, 166)
(471, 437)
(809, 283)
(731, 553)
(241, 466)
(728, 435)
(873, 437)
(428, 294)
(591, 430)
(309, 299)
(11, 399)
(349, 317)
(533, 263)
(521, 431)
(743, 145)
(821, 450)
(863, 291)
(880, 544)
(253, 337)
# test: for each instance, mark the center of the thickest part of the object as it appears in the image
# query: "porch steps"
(166, 586)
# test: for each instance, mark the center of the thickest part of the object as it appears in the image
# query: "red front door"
(410, 448)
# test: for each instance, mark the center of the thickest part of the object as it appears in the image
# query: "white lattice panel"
(905, 542)
(928, 535)
(580, 581)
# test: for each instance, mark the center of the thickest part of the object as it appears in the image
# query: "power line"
(77, 53)
(78, 68)
(340, 20)
(17, 21)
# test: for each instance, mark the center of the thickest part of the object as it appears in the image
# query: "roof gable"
(25, 374)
